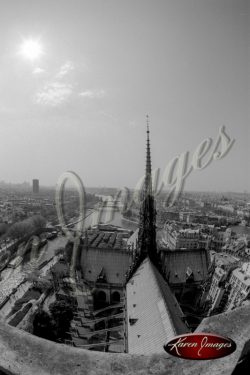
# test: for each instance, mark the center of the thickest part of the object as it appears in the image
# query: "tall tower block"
(35, 186)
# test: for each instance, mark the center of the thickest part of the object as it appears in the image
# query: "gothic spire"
(147, 229)
(148, 177)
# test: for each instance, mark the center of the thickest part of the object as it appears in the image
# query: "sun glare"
(31, 49)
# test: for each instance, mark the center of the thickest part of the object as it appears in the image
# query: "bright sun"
(31, 49)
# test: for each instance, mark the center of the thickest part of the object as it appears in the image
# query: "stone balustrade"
(25, 354)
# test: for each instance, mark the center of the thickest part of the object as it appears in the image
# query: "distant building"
(240, 286)
(228, 208)
(224, 265)
(35, 185)
(219, 238)
(164, 215)
(239, 247)
(175, 237)
(187, 216)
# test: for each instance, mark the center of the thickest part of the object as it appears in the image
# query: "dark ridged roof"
(177, 262)
(102, 239)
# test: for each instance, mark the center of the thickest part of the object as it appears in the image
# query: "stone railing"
(24, 354)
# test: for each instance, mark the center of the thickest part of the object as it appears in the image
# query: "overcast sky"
(82, 104)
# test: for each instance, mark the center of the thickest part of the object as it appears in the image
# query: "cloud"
(38, 71)
(59, 90)
(54, 94)
(65, 69)
(109, 115)
(93, 94)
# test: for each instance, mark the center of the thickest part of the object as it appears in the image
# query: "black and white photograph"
(124, 187)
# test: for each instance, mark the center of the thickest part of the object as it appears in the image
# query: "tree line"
(22, 228)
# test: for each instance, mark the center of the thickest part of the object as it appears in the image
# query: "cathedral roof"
(107, 238)
(178, 263)
(153, 313)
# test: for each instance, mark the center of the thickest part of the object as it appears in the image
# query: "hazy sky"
(105, 64)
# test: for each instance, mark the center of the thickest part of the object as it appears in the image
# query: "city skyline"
(77, 98)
